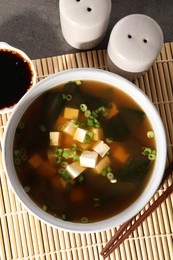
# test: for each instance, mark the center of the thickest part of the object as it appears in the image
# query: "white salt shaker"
(84, 22)
(134, 44)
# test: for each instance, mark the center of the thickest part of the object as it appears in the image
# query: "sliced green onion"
(17, 161)
(84, 220)
(73, 147)
(110, 175)
(27, 189)
(75, 124)
(66, 153)
(90, 134)
(90, 122)
(24, 157)
(23, 150)
(59, 151)
(42, 128)
(59, 160)
(63, 96)
(87, 113)
(113, 181)
(154, 152)
(94, 114)
(64, 217)
(21, 125)
(146, 151)
(104, 172)
(150, 134)
(65, 175)
(97, 125)
(152, 157)
(17, 153)
(68, 187)
(106, 112)
(102, 108)
(81, 178)
(108, 169)
(83, 107)
(64, 164)
(69, 97)
(61, 127)
(76, 157)
(61, 170)
(44, 208)
(97, 202)
(109, 140)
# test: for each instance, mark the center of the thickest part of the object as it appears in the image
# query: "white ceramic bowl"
(130, 89)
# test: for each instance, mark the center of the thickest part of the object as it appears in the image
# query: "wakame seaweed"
(115, 128)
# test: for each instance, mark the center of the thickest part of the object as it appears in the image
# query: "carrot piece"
(120, 152)
(35, 161)
(113, 111)
(56, 182)
(42, 167)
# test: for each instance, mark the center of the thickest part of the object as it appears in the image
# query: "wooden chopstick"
(127, 228)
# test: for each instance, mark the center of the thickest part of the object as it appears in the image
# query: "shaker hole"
(77, 0)
(129, 36)
(145, 40)
(89, 9)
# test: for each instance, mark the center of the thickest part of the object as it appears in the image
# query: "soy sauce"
(15, 76)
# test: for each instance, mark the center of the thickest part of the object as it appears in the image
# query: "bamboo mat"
(22, 236)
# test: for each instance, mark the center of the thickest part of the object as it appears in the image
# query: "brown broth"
(95, 198)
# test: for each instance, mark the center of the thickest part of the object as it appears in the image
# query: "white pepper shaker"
(134, 44)
(84, 22)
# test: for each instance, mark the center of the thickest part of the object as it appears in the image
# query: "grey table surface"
(34, 25)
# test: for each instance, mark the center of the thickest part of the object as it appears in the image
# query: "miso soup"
(84, 151)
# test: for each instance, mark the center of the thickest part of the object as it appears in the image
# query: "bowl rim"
(97, 75)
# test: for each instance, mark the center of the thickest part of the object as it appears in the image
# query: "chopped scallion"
(146, 151)
(44, 208)
(152, 157)
(87, 113)
(64, 164)
(66, 153)
(69, 97)
(84, 220)
(110, 175)
(42, 128)
(17, 161)
(17, 153)
(83, 107)
(27, 189)
(73, 147)
(76, 157)
(150, 134)
(109, 140)
(64, 217)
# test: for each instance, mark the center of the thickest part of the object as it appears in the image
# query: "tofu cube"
(71, 113)
(102, 164)
(101, 148)
(88, 159)
(98, 134)
(54, 138)
(75, 169)
(69, 128)
(80, 135)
